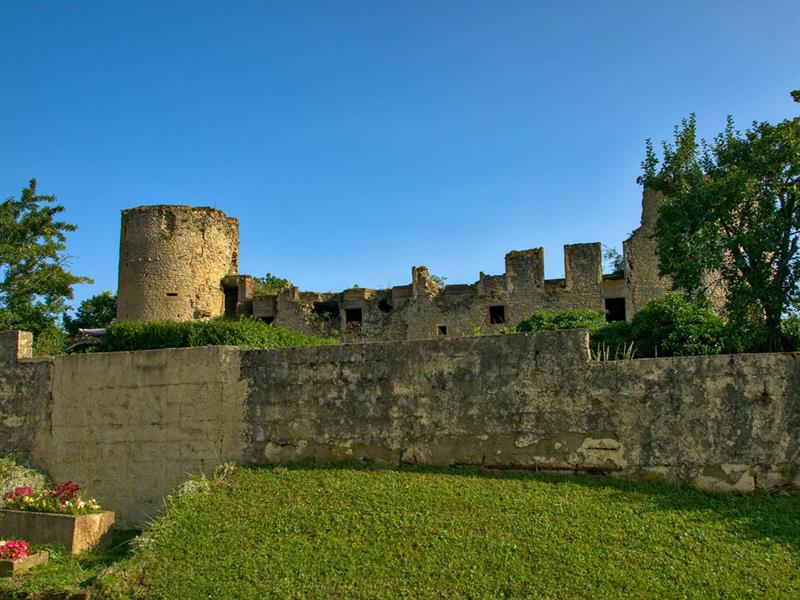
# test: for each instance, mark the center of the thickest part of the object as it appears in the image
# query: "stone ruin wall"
(641, 262)
(180, 263)
(130, 426)
(172, 262)
(422, 309)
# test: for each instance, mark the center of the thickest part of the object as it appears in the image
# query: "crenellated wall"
(180, 263)
(130, 426)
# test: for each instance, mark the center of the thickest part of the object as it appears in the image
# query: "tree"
(613, 261)
(732, 208)
(96, 312)
(35, 284)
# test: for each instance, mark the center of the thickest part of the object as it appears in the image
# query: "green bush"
(49, 341)
(611, 339)
(252, 333)
(790, 329)
(13, 474)
(581, 318)
(677, 326)
(614, 338)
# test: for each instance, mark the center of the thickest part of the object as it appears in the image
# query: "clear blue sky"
(356, 139)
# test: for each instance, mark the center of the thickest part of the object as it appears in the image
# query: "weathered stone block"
(15, 345)
(77, 533)
(12, 567)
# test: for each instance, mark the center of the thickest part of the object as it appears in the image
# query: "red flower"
(14, 549)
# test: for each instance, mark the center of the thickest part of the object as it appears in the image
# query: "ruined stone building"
(181, 263)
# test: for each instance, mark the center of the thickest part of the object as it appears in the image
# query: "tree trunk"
(773, 324)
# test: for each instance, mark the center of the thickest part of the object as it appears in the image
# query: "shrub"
(677, 326)
(790, 330)
(581, 318)
(14, 475)
(611, 340)
(614, 339)
(252, 333)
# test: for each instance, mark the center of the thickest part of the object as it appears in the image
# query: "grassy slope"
(361, 532)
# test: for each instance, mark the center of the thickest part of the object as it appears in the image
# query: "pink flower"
(14, 549)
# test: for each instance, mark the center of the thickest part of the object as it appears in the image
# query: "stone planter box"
(12, 567)
(77, 533)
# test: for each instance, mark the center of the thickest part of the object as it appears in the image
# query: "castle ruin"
(181, 263)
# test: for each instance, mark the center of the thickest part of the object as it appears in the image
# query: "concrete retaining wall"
(131, 426)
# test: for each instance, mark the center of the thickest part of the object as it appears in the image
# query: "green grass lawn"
(346, 531)
(366, 532)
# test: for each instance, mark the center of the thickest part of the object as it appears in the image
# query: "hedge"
(248, 332)
(579, 318)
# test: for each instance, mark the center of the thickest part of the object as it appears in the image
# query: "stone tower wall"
(172, 262)
(641, 260)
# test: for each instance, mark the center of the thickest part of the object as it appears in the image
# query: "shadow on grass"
(751, 516)
(67, 576)
(96, 562)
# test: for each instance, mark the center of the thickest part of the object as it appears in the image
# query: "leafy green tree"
(732, 208)
(439, 280)
(35, 283)
(98, 311)
(613, 262)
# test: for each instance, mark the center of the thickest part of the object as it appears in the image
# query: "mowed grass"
(367, 532)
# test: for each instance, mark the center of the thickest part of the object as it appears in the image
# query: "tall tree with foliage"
(732, 207)
(35, 283)
(96, 312)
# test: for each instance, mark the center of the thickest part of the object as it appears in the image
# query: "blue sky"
(356, 139)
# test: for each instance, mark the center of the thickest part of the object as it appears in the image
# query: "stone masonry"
(130, 426)
(172, 261)
(179, 263)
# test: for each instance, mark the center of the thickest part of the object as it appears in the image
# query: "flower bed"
(62, 498)
(15, 557)
(59, 516)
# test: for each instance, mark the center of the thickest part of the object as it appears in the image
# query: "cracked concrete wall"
(530, 401)
(130, 426)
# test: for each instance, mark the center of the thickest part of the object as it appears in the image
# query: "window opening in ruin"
(442, 329)
(615, 309)
(352, 315)
(385, 306)
(267, 320)
(497, 314)
(172, 294)
(327, 311)
(231, 300)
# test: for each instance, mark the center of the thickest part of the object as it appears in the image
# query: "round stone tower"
(172, 260)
